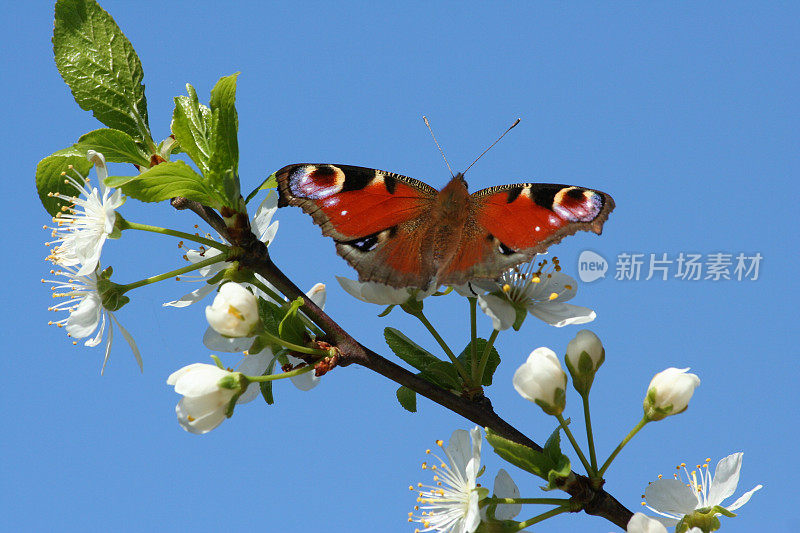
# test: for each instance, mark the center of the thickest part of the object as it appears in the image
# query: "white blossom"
(541, 380)
(234, 312)
(381, 294)
(538, 288)
(674, 499)
(86, 311)
(206, 400)
(585, 354)
(82, 228)
(452, 504)
(669, 393)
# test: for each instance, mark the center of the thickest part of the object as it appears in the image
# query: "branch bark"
(255, 257)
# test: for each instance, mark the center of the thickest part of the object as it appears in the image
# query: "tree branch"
(256, 258)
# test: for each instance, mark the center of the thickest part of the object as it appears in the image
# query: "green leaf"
(408, 350)
(50, 178)
(560, 466)
(270, 183)
(191, 125)
(115, 145)
(278, 322)
(224, 160)
(443, 374)
(100, 66)
(165, 181)
(407, 398)
(266, 386)
(491, 364)
(526, 458)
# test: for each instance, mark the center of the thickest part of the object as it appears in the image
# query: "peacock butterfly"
(401, 232)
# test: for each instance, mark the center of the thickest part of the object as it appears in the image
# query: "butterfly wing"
(509, 224)
(376, 218)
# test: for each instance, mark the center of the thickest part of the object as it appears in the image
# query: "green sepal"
(50, 180)
(386, 311)
(549, 464)
(191, 126)
(270, 183)
(266, 386)
(407, 350)
(494, 358)
(223, 162)
(412, 306)
(115, 145)
(704, 519)
(583, 376)
(407, 398)
(100, 66)
(521, 313)
(165, 181)
(112, 295)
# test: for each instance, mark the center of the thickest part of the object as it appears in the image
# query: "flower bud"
(542, 380)
(585, 354)
(234, 312)
(669, 393)
(209, 394)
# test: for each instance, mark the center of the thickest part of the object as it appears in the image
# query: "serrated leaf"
(191, 125)
(165, 181)
(115, 145)
(407, 350)
(560, 466)
(278, 323)
(223, 163)
(266, 386)
(492, 363)
(526, 458)
(443, 374)
(270, 183)
(100, 66)
(49, 178)
(407, 398)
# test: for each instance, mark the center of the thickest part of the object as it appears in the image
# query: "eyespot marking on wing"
(316, 181)
(577, 204)
(370, 242)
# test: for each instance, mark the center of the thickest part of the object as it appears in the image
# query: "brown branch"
(255, 257)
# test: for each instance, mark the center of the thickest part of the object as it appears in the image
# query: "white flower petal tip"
(81, 229)
(542, 380)
(234, 312)
(380, 294)
(318, 294)
(87, 315)
(205, 404)
(504, 487)
(452, 504)
(669, 393)
(674, 499)
(641, 523)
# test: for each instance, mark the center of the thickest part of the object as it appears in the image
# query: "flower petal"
(216, 342)
(85, 318)
(641, 523)
(318, 295)
(726, 478)
(201, 425)
(263, 217)
(374, 293)
(193, 297)
(504, 487)
(670, 496)
(560, 314)
(304, 382)
(131, 342)
(743, 499)
(254, 365)
(501, 312)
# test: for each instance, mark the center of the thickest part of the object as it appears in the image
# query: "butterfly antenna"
(497, 141)
(437, 145)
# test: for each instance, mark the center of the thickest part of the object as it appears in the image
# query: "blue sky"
(686, 113)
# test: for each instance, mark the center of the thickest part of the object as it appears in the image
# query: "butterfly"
(402, 232)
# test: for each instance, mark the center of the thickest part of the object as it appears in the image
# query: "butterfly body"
(401, 232)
